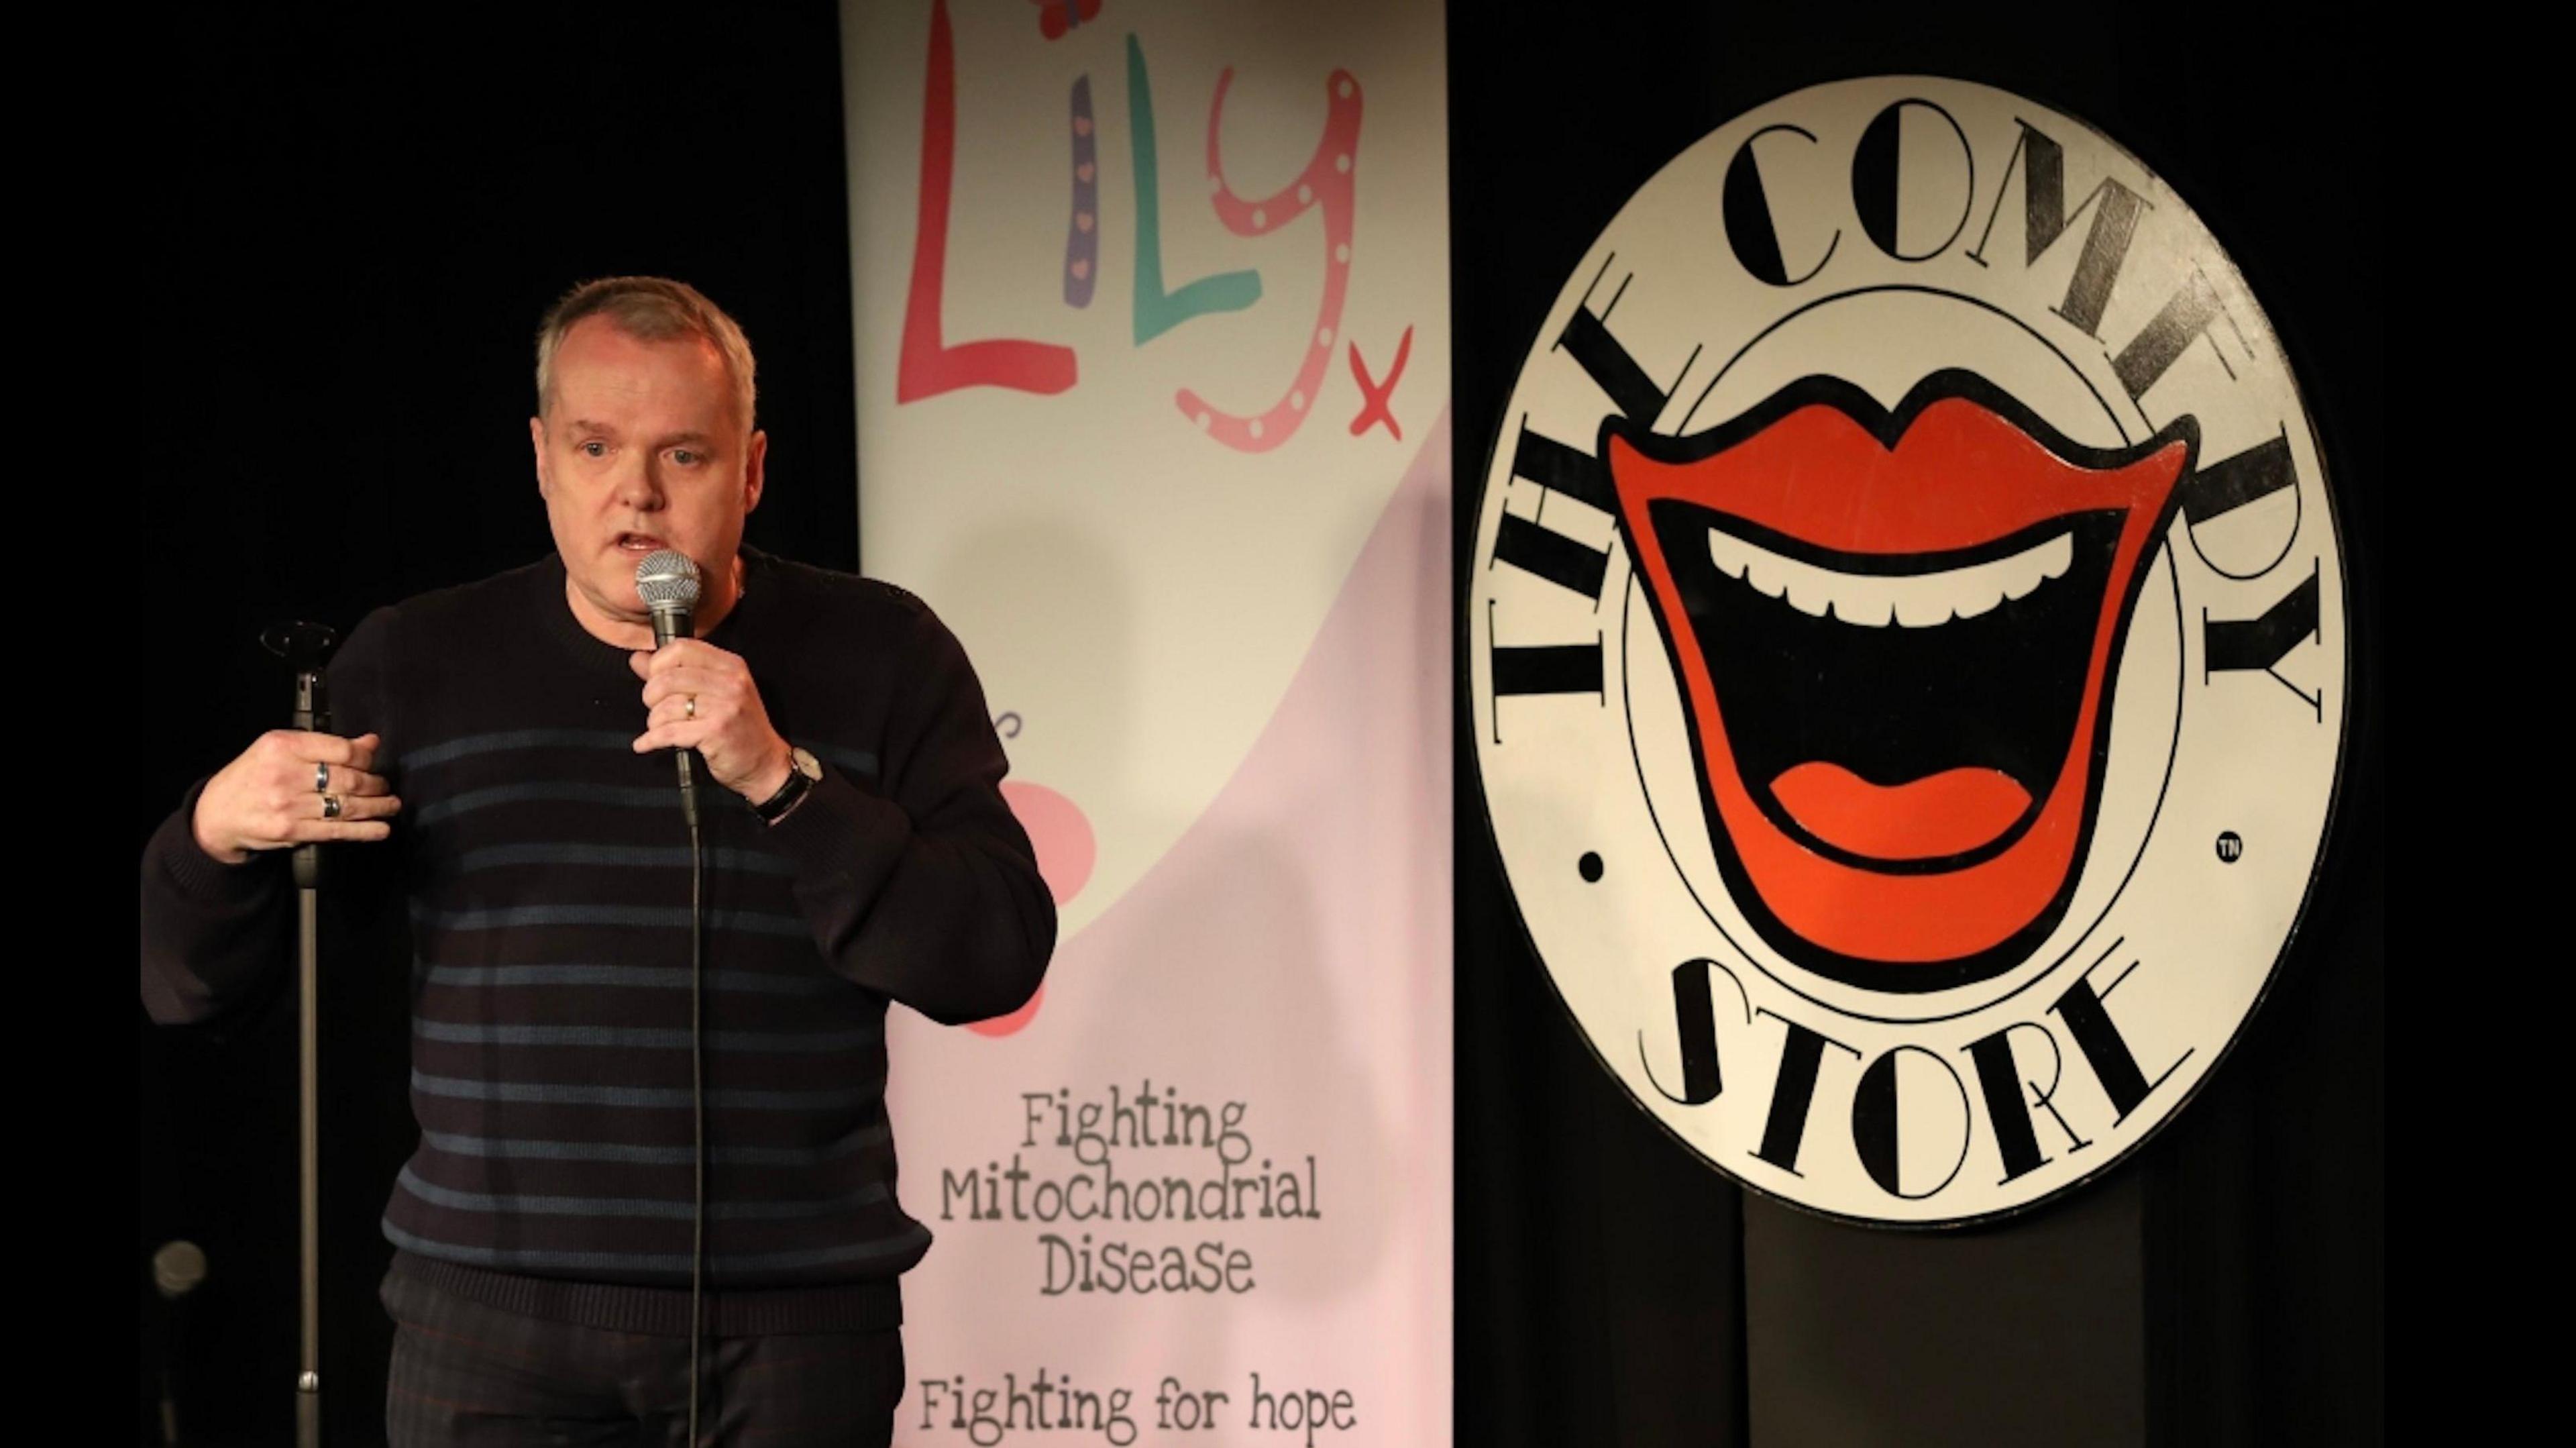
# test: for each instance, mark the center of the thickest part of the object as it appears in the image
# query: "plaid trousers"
(464, 1373)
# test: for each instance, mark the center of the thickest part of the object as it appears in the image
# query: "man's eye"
(594, 449)
(684, 457)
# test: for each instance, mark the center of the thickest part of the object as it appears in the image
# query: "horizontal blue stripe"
(641, 1037)
(675, 857)
(651, 916)
(510, 739)
(542, 1206)
(564, 1094)
(747, 982)
(672, 1262)
(508, 1149)
(635, 796)
(857, 761)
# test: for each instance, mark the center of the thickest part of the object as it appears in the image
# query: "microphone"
(667, 580)
(176, 1270)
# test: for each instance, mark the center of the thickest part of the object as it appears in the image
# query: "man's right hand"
(266, 799)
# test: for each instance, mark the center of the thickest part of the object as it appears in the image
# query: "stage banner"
(1152, 331)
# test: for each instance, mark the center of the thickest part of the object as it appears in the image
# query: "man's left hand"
(699, 697)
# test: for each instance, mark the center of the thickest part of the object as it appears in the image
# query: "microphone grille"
(667, 578)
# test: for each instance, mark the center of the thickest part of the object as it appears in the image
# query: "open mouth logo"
(1905, 639)
(1897, 632)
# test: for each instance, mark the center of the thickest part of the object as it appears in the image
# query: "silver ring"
(690, 710)
(330, 806)
(321, 777)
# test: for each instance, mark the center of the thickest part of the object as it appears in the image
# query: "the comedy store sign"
(1906, 638)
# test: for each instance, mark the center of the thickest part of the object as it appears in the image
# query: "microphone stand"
(304, 647)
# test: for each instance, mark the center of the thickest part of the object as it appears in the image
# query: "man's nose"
(639, 487)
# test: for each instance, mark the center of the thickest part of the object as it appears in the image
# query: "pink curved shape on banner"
(1066, 849)
(1291, 951)
(1059, 831)
(1326, 181)
(1009, 1025)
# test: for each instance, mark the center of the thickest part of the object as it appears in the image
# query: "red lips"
(1891, 871)
(1940, 815)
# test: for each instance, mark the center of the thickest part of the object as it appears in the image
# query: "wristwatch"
(803, 771)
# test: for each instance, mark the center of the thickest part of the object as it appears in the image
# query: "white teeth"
(1873, 600)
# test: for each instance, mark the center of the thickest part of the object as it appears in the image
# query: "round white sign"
(1906, 644)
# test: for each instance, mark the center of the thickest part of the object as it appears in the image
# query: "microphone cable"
(667, 582)
(697, 1099)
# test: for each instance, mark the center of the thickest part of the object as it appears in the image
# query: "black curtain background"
(355, 230)
(358, 226)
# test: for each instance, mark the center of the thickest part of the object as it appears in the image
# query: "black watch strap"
(802, 772)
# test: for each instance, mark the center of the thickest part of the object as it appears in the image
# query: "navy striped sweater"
(546, 866)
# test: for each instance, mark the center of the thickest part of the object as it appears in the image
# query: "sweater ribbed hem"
(873, 1306)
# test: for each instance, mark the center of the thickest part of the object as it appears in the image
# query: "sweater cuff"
(841, 829)
(196, 875)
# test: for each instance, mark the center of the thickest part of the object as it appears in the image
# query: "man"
(505, 762)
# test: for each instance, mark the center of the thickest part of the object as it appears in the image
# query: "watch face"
(1906, 645)
(806, 764)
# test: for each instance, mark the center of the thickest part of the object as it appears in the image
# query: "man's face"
(641, 448)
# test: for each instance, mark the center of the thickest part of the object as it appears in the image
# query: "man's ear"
(537, 441)
(754, 471)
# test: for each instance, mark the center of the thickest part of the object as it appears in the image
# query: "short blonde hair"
(655, 309)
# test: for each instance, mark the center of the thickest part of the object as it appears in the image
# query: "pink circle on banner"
(1005, 1025)
(1060, 834)
(1066, 851)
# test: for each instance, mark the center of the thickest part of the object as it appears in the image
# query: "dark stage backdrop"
(358, 229)
(1601, 1270)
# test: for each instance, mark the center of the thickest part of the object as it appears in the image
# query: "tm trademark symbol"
(2231, 846)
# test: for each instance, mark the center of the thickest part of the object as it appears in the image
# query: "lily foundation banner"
(1152, 322)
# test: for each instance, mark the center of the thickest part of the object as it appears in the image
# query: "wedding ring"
(690, 710)
(321, 777)
(330, 806)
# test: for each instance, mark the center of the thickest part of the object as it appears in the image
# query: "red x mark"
(1373, 398)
